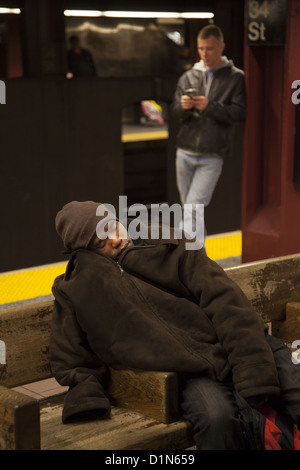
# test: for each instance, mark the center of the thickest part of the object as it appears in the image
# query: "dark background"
(60, 139)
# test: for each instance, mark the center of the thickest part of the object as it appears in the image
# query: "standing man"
(209, 98)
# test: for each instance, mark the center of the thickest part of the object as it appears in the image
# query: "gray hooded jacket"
(210, 131)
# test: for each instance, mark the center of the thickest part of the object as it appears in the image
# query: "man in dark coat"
(154, 305)
(80, 61)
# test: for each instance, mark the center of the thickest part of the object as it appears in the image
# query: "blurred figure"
(80, 61)
(185, 62)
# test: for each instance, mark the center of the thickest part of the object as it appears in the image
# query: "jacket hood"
(224, 63)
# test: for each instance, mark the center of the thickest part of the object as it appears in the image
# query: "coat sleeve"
(238, 327)
(179, 113)
(74, 364)
(235, 110)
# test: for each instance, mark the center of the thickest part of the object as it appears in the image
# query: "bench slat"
(124, 430)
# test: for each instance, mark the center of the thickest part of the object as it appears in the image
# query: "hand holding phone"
(191, 92)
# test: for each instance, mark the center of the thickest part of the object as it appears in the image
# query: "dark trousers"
(211, 408)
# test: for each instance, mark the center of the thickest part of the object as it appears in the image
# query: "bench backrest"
(25, 330)
(270, 284)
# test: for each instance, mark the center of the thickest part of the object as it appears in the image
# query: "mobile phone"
(191, 92)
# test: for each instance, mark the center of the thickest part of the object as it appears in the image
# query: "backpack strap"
(253, 423)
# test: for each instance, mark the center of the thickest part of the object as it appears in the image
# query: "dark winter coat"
(160, 307)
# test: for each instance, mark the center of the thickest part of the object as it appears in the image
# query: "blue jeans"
(197, 177)
(211, 408)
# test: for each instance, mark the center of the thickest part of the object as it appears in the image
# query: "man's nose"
(116, 240)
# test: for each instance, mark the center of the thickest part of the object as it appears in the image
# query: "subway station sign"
(266, 22)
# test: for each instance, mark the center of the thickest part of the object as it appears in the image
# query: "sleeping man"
(153, 305)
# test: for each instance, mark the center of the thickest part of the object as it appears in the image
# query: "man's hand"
(186, 102)
(200, 102)
(197, 102)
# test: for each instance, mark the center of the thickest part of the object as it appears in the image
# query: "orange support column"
(271, 190)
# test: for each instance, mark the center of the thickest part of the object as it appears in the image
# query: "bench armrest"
(154, 394)
(19, 421)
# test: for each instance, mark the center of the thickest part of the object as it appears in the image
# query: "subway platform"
(34, 284)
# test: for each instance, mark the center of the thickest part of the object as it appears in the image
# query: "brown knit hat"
(77, 221)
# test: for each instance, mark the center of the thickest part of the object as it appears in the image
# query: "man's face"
(210, 51)
(74, 43)
(117, 240)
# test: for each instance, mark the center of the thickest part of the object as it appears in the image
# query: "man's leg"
(185, 167)
(210, 406)
(207, 171)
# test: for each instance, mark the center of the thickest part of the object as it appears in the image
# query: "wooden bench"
(145, 412)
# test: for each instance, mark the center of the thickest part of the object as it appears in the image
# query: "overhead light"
(138, 14)
(202, 15)
(89, 13)
(14, 11)
(123, 14)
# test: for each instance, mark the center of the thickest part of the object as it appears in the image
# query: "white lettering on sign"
(256, 10)
(266, 21)
(256, 31)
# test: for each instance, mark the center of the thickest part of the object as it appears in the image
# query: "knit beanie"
(77, 221)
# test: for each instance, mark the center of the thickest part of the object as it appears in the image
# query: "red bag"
(280, 433)
(266, 428)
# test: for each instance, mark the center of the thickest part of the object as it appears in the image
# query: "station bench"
(145, 412)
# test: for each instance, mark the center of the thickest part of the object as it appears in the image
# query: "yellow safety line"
(225, 245)
(34, 282)
(27, 284)
(156, 135)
